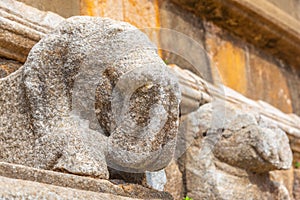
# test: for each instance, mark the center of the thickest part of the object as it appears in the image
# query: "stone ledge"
(21, 27)
(20, 189)
(258, 22)
(40, 177)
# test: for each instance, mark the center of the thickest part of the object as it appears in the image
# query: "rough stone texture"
(232, 50)
(8, 66)
(295, 144)
(103, 78)
(231, 153)
(156, 180)
(78, 183)
(19, 189)
(196, 92)
(21, 27)
(174, 183)
(296, 191)
(68, 158)
(285, 177)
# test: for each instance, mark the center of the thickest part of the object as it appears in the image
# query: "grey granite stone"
(231, 158)
(92, 91)
(156, 180)
(21, 181)
(20, 189)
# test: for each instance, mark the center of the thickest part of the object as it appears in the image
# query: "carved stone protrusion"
(231, 153)
(94, 90)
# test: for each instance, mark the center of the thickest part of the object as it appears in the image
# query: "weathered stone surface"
(156, 180)
(103, 78)
(259, 23)
(296, 191)
(19, 189)
(21, 27)
(8, 66)
(285, 122)
(232, 153)
(227, 59)
(248, 145)
(87, 162)
(262, 76)
(174, 183)
(85, 185)
(194, 91)
(205, 92)
(284, 177)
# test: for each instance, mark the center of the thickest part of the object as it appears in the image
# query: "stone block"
(266, 81)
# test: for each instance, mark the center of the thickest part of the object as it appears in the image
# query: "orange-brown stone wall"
(64, 8)
(250, 72)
